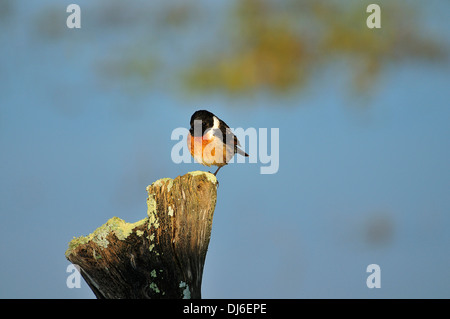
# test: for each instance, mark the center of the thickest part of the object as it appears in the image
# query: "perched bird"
(211, 141)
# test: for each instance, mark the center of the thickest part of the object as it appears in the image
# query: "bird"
(211, 141)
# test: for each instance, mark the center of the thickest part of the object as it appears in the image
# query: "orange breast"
(197, 144)
(206, 155)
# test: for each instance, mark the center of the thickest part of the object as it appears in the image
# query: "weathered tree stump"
(161, 256)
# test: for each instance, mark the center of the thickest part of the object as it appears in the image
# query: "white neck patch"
(216, 122)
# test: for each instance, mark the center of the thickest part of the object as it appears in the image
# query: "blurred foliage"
(276, 45)
(48, 24)
(248, 46)
(379, 230)
(138, 63)
(264, 51)
(6, 9)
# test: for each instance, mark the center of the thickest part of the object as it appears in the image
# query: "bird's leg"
(215, 174)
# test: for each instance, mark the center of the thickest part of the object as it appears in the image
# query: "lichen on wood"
(160, 256)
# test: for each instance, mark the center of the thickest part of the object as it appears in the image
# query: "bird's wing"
(227, 134)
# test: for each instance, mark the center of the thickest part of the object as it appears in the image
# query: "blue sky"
(75, 152)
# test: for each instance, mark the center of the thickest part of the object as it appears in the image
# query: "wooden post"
(161, 256)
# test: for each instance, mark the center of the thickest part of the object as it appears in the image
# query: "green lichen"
(186, 291)
(169, 185)
(100, 234)
(124, 229)
(154, 287)
(153, 273)
(119, 227)
(151, 211)
(75, 242)
(151, 205)
(208, 175)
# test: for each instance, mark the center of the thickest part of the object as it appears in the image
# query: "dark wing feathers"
(228, 136)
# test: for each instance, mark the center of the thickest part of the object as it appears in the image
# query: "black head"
(207, 122)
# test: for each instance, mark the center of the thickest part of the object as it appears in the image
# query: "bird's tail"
(239, 151)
